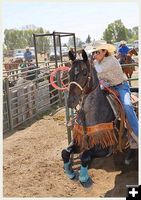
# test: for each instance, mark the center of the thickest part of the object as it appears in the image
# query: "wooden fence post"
(8, 102)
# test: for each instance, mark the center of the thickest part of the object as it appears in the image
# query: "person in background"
(23, 66)
(28, 55)
(122, 51)
(109, 70)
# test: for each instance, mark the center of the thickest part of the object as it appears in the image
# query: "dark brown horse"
(128, 70)
(93, 132)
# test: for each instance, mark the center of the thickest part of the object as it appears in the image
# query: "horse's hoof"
(87, 184)
(76, 175)
(130, 156)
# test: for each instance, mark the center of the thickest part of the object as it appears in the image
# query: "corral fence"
(31, 94)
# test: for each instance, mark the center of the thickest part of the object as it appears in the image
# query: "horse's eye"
(85, 72)
(76, 71)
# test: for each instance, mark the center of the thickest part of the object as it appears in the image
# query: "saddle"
(113, 99)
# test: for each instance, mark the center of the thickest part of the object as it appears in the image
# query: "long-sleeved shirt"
(109, 70)
(28, 55)
(123, 50)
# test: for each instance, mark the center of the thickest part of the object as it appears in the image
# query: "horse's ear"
(84, 55)
(85, 59)
(71, 56)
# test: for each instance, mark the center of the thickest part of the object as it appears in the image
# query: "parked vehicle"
(65, 51)
(19, 55)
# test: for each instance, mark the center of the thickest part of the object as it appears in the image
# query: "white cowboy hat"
(123, 42)
(109, 47)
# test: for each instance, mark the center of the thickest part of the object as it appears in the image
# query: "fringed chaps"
(100, 134)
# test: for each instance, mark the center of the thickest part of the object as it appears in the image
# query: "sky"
(81, 18)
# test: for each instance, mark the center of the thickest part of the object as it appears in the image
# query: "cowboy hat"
(123, 42)
(109, 47)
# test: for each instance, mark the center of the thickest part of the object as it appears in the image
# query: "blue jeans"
(124, 96)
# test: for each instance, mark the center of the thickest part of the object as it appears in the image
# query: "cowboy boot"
(68, 170)
(83, 176)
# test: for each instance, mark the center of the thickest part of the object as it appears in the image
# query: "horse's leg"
(67, 163)
(86, 157)
(85, 160)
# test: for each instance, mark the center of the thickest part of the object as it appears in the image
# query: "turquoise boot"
(69, 171)
(83, 176)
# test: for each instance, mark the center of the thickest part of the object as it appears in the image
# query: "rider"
(122, 51)
(109, 70)
(28, 55)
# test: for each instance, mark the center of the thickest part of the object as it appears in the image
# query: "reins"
(80, 87)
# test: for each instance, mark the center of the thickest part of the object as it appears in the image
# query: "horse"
(12, 66)
(96, 128)
(128, 70)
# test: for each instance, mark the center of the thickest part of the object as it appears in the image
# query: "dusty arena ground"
(33, 167)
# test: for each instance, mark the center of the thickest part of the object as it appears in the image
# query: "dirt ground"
(33, 166)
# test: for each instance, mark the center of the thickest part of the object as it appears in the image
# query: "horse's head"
(79, 76)
(132, 52)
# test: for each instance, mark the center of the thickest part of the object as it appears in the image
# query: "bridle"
(75, 83)
(78, 85)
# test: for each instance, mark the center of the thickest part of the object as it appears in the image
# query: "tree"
(132, 34)
(78, 42)
(70, 42)
(19, 39)
(135, 31)
(88, 40)
(115, 31)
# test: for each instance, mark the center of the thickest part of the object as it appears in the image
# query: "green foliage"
(77, 40)
(116, 32)
(19, 39)
(71, 42)
(88, 40)
(133, 34)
